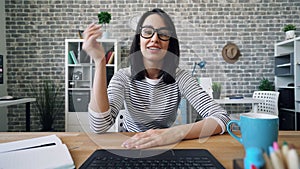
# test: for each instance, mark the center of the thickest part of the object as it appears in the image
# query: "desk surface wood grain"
(82, 145)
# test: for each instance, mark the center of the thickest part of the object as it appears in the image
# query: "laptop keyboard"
(201, 161)
(129, 163)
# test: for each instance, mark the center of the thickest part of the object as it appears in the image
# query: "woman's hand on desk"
(155, 137)
(159, 137)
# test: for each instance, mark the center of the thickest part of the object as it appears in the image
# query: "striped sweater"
(153, 105)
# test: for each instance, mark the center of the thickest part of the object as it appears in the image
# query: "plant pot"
(47, 130)
(105, 35)
(290, 34)
(216, 95)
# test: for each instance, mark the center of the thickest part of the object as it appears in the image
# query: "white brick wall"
(35, 32)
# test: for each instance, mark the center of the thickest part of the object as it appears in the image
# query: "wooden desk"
(82, 145)
(20, 101)
(245, 100)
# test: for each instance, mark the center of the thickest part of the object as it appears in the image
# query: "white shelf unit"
(79, 81)
(287, 78)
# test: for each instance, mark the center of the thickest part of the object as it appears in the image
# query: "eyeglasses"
(163, 33)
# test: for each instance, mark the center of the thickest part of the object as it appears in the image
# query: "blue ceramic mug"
(256, 130)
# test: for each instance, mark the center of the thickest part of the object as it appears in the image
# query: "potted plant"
(289, 30)
(104, 19)
(265, 85)
(47, 103)
(216, 87)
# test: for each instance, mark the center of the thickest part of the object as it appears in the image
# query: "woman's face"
(154, 48)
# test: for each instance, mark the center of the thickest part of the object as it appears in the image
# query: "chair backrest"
(119, 121)
(206, 84)
(270, 106)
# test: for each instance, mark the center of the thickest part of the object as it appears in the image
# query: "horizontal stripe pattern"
(152, 106)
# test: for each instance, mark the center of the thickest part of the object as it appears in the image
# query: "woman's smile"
(154, 49)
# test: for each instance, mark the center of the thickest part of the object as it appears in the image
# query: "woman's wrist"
(180, 131)
(100, 61)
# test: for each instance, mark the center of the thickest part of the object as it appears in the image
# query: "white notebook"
(41, 152)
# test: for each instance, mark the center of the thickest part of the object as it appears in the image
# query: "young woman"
(150, 89)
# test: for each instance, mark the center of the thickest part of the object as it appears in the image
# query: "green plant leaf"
(47, 102)
(289, 27)
(265, 85)
(104, 17)
(216, 87)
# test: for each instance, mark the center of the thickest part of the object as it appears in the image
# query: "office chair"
(269, 106)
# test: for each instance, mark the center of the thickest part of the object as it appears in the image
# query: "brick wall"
(36, 30)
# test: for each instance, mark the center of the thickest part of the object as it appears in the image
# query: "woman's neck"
(153, 69)
(153, 73)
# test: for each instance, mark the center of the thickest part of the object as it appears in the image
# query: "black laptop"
(151, 158)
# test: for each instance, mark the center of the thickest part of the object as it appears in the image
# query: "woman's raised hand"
(93, 48)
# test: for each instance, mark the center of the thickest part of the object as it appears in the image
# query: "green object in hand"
(104, 17)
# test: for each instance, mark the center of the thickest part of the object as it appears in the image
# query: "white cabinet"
(79, 73)
(287, 81)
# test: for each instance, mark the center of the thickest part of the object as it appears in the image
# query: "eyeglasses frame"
(155, 30)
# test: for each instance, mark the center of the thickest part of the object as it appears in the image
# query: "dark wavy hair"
(171, 60)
